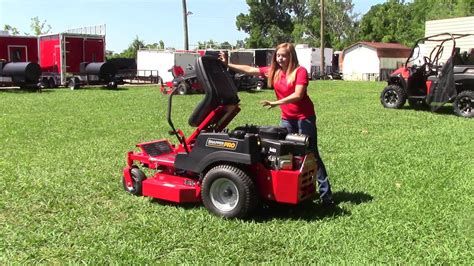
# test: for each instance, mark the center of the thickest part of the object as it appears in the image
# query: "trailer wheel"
(112, 85)
(137, 181)
(229, 192)
(52, 83)
(464, 103)
(393, 96)
(73, 83)
(183, 88)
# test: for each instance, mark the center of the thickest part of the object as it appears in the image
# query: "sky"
(150, 20)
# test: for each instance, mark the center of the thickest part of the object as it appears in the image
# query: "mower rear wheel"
(229, 192)
(393, 96)
(183, 88)
(138, 177)
(464, 103)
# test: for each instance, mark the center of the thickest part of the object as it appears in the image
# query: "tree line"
(270, 22)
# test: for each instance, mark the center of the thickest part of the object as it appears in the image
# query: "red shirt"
(301, 109)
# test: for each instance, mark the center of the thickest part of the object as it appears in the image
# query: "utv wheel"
(464, 103)
(227, 191)
(138, 177)
(418, 104)
(183, 88)
(393, 96)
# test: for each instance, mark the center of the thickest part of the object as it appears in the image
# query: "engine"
(280, 150)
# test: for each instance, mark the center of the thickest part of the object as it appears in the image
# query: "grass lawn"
(402, 180)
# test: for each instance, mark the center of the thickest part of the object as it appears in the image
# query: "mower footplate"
(172, 188)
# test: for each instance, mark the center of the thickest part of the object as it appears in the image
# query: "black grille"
(157, 148)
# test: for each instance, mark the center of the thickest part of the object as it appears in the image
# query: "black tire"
(137, 182)
(112, 84)
(229, 192)
(393, 96)
(73, 83)
(464, 103)
(52, 83)
(183, 88)
(418, 104)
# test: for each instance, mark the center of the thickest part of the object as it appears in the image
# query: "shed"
(372, 60)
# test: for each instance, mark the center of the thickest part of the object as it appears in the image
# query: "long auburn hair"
(275, 69)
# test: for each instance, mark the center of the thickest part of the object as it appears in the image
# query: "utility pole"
(185, 25)
(322, 40)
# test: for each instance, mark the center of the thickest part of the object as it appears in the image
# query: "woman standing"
(290, 81)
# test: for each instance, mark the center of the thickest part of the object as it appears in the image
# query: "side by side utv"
(432, 79)
(231, 171)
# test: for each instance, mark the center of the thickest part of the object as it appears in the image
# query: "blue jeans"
(308, 127)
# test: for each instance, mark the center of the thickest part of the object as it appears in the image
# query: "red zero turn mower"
(231, 171)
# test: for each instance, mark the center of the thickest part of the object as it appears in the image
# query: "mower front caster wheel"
(229, 192)
(138, 177)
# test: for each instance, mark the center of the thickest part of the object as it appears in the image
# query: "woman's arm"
(254, 71)
(294, 97)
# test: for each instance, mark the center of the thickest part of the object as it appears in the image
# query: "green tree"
(387, 22)
(225, 45)
(397, 21)
(11, 30)
(268, 23)
(211, 44)
(271, 22)
(38, 27)
(339, 23)
(131, 51)
(239, 44)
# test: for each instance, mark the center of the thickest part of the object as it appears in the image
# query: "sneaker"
(327, 201)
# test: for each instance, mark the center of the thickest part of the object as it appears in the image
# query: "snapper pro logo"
(221, 144)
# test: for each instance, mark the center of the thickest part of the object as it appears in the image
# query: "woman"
(290, 81)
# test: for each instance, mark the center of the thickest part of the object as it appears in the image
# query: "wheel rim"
(465, 105)
(391, 97)
(181, 89)
(224, 194)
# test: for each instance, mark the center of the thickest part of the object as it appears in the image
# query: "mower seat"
(218, 87)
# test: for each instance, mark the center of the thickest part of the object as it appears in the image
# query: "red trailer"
(19, 48)
(72, 60)
(19, 61)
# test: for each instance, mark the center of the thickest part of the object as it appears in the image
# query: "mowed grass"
(402, 180)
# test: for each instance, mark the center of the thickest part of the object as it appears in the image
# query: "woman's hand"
(223, 58)
(268, 104)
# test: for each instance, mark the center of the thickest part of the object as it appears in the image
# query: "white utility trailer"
(310, 58)
(158, 63)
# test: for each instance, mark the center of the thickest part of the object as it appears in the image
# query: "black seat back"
(218, 87)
